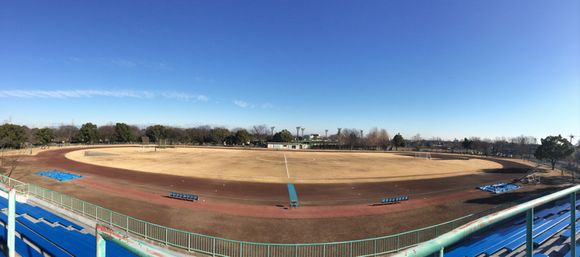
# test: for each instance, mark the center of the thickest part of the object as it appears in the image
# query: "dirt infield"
(281, 166)
(258, 211)
(310, 194)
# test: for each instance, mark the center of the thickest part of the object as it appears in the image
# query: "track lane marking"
(286, 163)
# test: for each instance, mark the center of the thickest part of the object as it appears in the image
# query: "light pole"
(303, 132)
(272, 128)
(338, 137)
(297, 133)
(326, 134)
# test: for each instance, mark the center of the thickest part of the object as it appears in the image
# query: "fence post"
(127, 224)
(296, 250)
(573, 224)
(166, 232)
(529, 232)
(241, 249)
(213, 247)
(268, 250)
(350, 251)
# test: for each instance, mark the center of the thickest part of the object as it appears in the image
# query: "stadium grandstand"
(47, 223)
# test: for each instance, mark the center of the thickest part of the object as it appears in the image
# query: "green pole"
(11, 222)
(101, 245)
(529, 232)
(573, 224)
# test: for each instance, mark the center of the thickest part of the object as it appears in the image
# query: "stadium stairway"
(39, 231)
(551, 225)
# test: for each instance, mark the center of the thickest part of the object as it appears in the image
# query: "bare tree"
(106, 133)
(373, 137)
(66, 133)
(260, 132)
(383, 139)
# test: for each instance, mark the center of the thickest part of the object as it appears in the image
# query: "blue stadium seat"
(511, 235)
(55, 241)
(569, 253)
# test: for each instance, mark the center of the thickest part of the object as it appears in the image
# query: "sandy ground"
(280, 166)
(256, 211)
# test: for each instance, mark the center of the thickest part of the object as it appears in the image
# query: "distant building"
(288, 145)
(312, 137)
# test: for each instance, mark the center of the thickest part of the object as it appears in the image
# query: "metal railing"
(216, 246)
(439, 244)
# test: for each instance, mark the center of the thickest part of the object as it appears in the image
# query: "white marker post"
(11, 222)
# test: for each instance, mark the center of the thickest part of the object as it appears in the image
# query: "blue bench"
(22, 248)
(292, 195)
(186, 197)
(510, 235)
(395, 199)
(569, 253)
(55, 241)
(568, 232)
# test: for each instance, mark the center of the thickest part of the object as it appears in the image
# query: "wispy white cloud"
(244, 104)
(241, 104)
(184, 96)
(64, 94)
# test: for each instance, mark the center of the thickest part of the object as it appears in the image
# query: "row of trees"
(526, 147)
(16, 136)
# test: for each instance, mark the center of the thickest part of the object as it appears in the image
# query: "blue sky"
(438, 68)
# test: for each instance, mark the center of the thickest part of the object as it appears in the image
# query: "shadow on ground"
(507, 171)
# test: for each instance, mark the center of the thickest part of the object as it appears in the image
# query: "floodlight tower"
(326, 133)
(361, 133)
(297, 132)
(303, 132)
(338, 137)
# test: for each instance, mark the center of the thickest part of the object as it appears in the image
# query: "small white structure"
(287, 145)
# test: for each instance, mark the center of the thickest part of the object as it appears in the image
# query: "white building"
(287, 145)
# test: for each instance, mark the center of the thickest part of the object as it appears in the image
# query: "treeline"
(16, 136)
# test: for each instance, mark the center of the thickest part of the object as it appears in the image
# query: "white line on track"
(286, 162)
